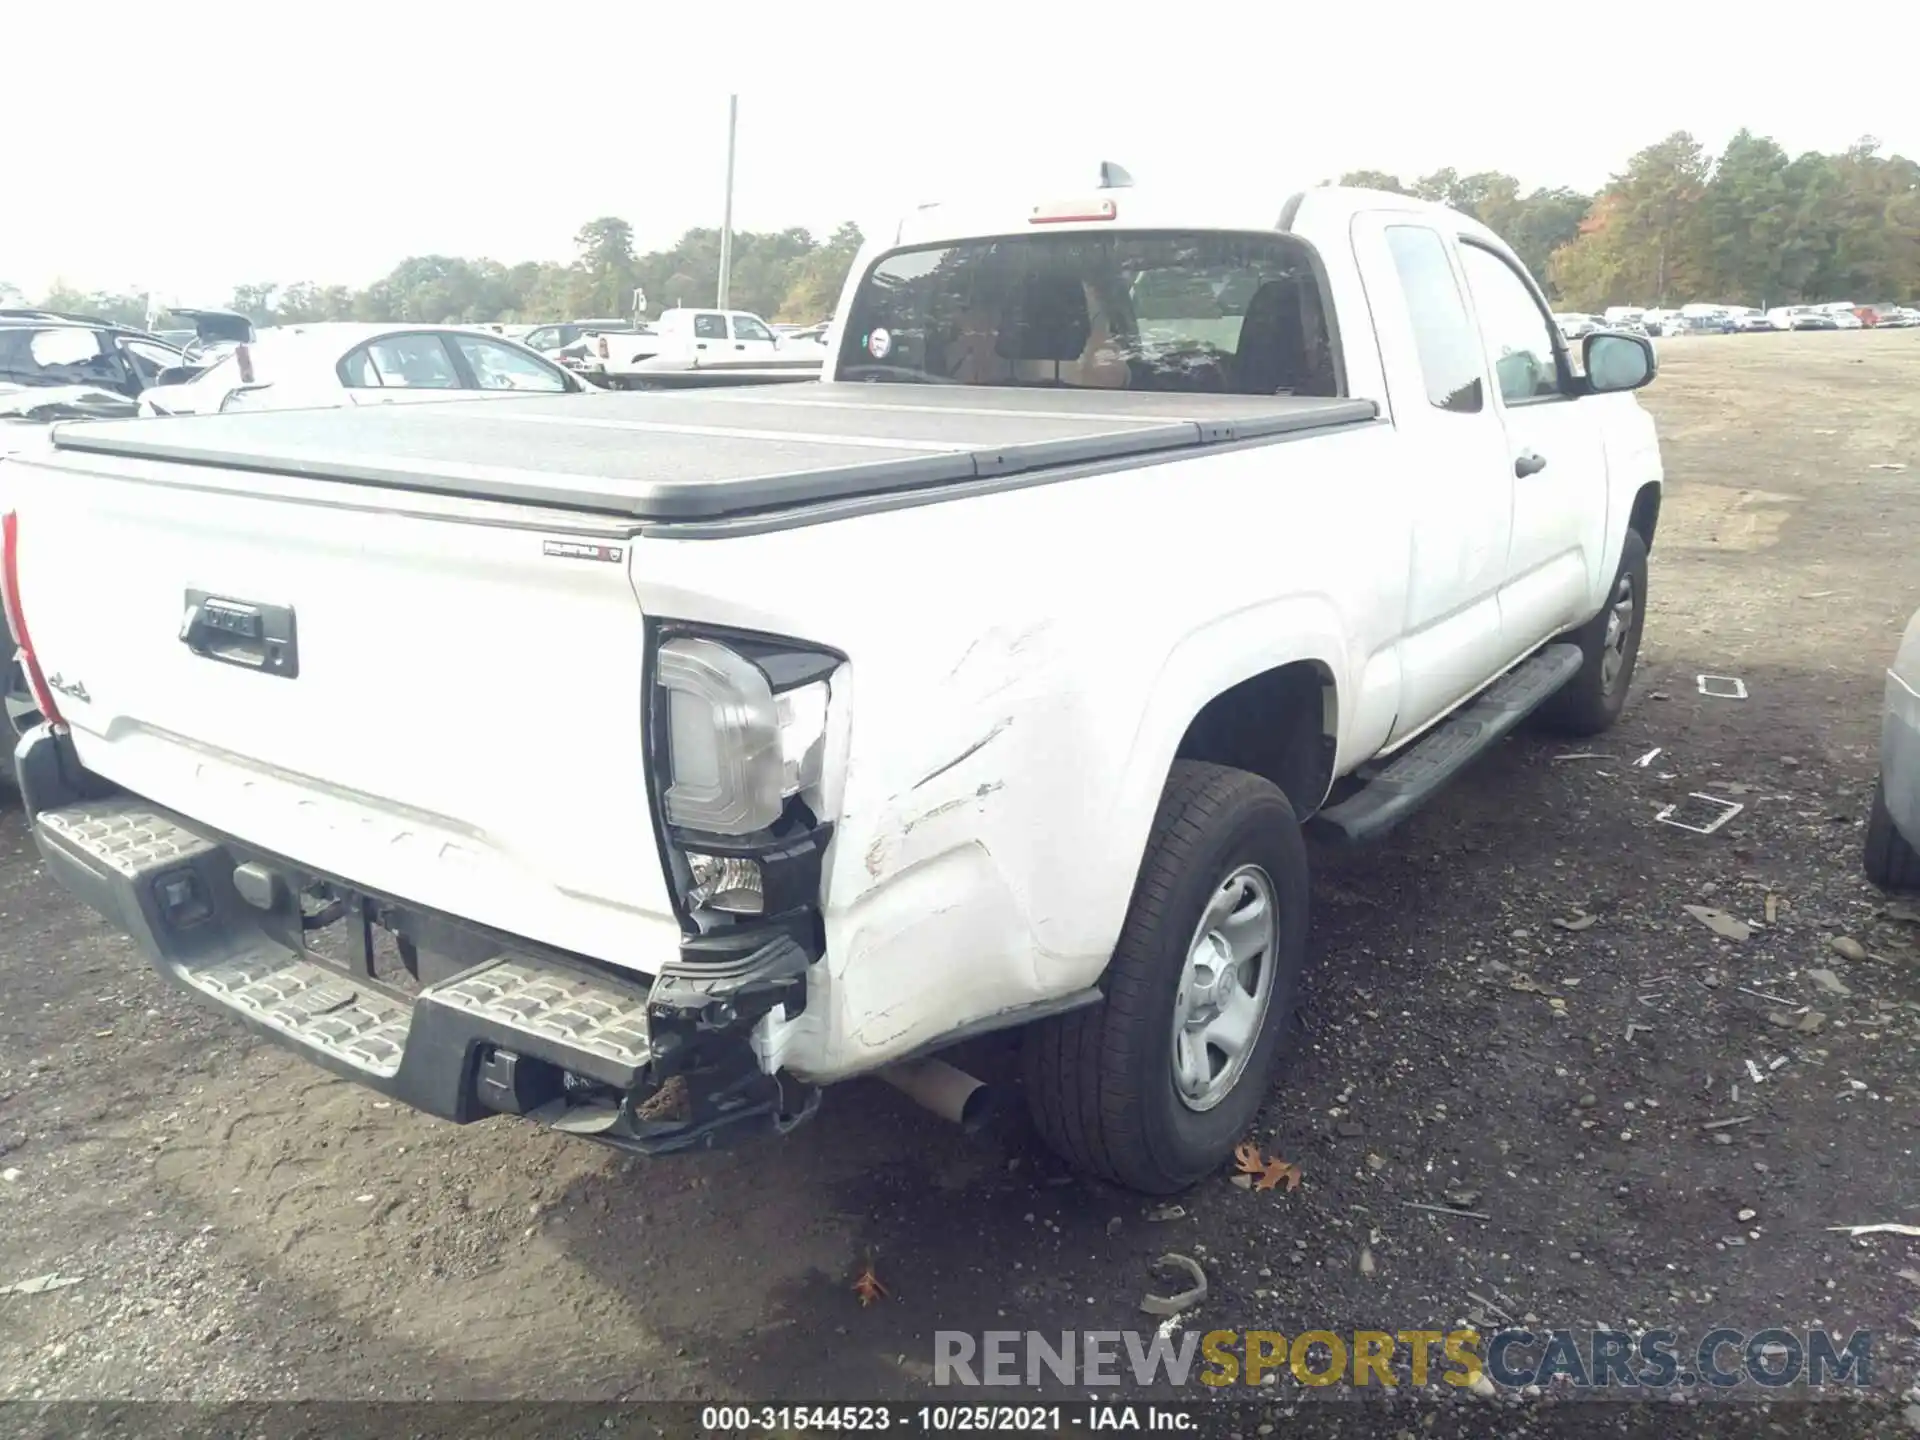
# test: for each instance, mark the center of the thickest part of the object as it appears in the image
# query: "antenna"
(1114, 177)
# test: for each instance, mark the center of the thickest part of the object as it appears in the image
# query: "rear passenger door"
(710, 334)
(1459, 484)
(1556, 451)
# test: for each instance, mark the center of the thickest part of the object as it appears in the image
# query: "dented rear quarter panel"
(1023, 666)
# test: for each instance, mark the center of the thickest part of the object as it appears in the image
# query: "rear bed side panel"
(1023, 666)
(464, 731)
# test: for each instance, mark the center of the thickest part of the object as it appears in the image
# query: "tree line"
(1750, 226)
(783, 274)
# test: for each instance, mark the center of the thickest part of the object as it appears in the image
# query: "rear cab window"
(1444, 335)
(1194, 311)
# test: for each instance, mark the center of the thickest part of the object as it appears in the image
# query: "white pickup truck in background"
(686, 347)
(990, 683)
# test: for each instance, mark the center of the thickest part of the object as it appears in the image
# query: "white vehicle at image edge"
(1893, 821)
(334, 363)
(990, 682)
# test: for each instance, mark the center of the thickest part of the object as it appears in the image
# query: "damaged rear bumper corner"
(652, 1067)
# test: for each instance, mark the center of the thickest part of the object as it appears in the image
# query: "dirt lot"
(241, 1225)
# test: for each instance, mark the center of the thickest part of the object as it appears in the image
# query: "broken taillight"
(17, 619)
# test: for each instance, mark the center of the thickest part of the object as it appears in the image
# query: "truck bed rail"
(670, 456)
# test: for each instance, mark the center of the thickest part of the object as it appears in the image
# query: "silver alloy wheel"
(1221, 1002)
(1613, 653)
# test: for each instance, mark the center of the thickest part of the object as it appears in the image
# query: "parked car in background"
(1806, 317)
(214, 331)
(1577, 326)
(573, 339)
(345, 363)
(1893, 823)
(42, 350)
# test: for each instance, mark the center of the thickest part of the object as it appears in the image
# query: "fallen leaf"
(868, 1287)
(1278, 1171)
(1261, 1173)
(1578, 922)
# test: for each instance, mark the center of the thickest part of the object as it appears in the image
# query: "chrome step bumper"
(521, 1033)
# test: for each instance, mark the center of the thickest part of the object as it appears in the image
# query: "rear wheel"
(1152, 1088)
(1891, 861)
(1591, 701)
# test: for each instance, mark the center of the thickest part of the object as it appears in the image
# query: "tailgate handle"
(241, 632)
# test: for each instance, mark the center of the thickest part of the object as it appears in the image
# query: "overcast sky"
(327, 139)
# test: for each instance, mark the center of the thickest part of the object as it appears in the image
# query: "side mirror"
(1616, 363)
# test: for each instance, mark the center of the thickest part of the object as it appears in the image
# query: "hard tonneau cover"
(676, 456)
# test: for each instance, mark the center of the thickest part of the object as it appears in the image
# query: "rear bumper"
(652, 1067)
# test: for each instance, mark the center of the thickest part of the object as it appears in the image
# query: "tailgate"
(448, 711)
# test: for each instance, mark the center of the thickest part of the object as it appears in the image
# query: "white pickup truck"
(687, 347)
(645, 763)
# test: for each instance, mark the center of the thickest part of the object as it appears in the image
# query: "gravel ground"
(1512, 1012)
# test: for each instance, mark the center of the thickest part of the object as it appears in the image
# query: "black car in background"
(41, 349)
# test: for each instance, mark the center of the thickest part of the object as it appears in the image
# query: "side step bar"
(1413, 776)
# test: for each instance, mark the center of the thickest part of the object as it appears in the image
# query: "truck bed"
(667, 456)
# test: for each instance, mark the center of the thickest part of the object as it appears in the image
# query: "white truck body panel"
(1024, 651)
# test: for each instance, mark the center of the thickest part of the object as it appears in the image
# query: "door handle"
(739, 347)
(1527, 463)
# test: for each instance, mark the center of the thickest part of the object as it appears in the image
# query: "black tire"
(1891, 861)
(1591, 701)
(1100, 1081)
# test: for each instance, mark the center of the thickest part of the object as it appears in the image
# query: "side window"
(1518, 333)
(501, 367)
(358, 372)
(148, 359)
(745, 327)
(419, 362)
(547, 338)
(1448, 345)
(710, 327)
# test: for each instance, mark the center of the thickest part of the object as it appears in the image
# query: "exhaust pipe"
(947, 1091)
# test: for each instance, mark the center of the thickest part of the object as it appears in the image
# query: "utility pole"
(726, 224)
